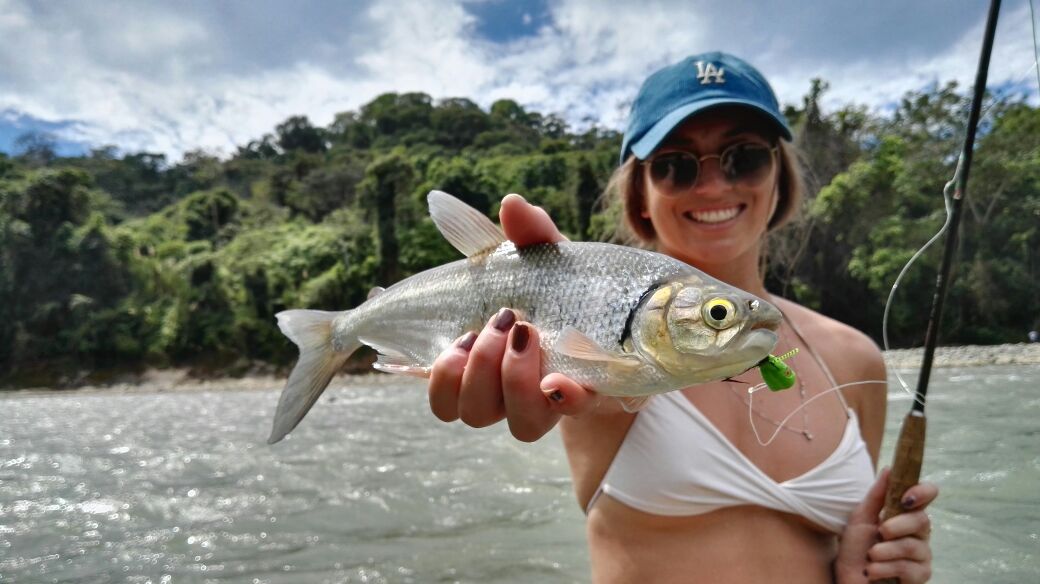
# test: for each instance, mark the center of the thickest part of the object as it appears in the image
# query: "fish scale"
(551, 286)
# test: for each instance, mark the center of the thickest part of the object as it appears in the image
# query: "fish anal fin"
(393, 359)
(634, 404)
(390, 364)
(578, 345)
(465, 228)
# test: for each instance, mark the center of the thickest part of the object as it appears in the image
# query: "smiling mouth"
(711, 216)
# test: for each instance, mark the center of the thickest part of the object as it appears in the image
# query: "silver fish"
(621, 321)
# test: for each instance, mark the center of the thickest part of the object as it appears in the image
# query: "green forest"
(117, 262)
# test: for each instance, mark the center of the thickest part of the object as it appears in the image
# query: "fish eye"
(719, 313)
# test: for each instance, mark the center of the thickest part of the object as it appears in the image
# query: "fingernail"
(521, 334)
(505, 319)
(466, 341)
(908, 502)
(553, 394)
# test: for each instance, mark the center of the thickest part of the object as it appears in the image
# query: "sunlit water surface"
(170, 487)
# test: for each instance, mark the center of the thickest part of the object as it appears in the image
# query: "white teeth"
(715, 215)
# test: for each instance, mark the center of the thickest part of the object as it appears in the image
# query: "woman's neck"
(740, 274)
(742, 271)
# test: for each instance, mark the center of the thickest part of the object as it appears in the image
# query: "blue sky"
(172, 77)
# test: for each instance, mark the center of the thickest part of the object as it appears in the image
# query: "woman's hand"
(496, 373)
(896, 548)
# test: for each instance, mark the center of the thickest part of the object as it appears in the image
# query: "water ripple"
(163, 487)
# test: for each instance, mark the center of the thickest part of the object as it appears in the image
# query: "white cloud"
(179, 76)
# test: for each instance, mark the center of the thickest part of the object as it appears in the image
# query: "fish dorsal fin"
(578, 345)
(375, 291)
(467, 229)
(634, 404)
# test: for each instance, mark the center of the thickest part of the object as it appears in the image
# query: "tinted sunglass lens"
(747, 162)
(677, 171)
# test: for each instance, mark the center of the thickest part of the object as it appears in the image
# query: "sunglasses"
(746, 163)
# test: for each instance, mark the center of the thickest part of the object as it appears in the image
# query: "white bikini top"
(673, 461)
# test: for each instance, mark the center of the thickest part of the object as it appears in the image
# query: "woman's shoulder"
(836, 341)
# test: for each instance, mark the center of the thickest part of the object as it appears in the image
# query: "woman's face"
(714, 221)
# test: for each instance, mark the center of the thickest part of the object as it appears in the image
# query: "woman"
(684, 490)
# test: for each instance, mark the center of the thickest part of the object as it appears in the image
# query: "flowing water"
(180, 486)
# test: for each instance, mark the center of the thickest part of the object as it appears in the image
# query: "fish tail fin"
(319, 361)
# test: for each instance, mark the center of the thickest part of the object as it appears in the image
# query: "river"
(151, 486)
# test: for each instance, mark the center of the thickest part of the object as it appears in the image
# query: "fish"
(621, 321)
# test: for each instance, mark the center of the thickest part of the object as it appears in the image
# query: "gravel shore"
(181, 380)
(968, 356)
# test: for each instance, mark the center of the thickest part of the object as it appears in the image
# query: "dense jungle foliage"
(114, 262)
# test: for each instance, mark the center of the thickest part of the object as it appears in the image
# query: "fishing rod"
(909, 451)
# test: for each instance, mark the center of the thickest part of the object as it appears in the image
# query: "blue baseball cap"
(693, 85)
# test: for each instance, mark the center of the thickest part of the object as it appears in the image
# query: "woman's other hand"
(896, 548)
(495, 373)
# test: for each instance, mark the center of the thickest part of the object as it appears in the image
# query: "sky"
(172, 77)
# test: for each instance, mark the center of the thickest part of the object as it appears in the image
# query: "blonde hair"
(626, 184)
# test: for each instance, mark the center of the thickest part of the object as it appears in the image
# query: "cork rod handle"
(906, 468)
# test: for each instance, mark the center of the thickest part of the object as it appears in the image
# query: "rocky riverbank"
(182, 380)
(968, 356)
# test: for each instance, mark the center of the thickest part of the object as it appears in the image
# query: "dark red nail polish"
(466, 341)
(505, 319)
(908, 502)
(521, 334)
(865, 572)
(554, 394)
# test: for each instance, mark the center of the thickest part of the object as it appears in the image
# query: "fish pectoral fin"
(465, 228)
(634, 404)
(578, 345)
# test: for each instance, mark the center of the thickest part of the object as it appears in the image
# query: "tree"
(586, 194)
(394, 115)
(385, 179)
(57, 265)
(297, 133)
(457, 122)
(37, 148)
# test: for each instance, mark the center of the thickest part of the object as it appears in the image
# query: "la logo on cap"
(709, 73)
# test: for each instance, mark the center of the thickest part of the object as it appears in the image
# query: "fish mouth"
(765, 316)
(758, 344)
(765, 325)
(760, 341)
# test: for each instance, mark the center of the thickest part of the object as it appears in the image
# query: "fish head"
(699, 329)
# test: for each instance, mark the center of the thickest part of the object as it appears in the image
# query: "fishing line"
(1036, 51)
(948, 202)
(949, 193)
(755, 388)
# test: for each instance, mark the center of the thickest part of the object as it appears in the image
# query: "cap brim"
(643, 147)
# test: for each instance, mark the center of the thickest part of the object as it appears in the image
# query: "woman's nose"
(711, 179)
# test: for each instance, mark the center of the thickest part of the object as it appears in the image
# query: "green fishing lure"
(777, 374)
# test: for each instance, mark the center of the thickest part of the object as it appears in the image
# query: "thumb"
(870, 507)
(524, 224)
(567, 396)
